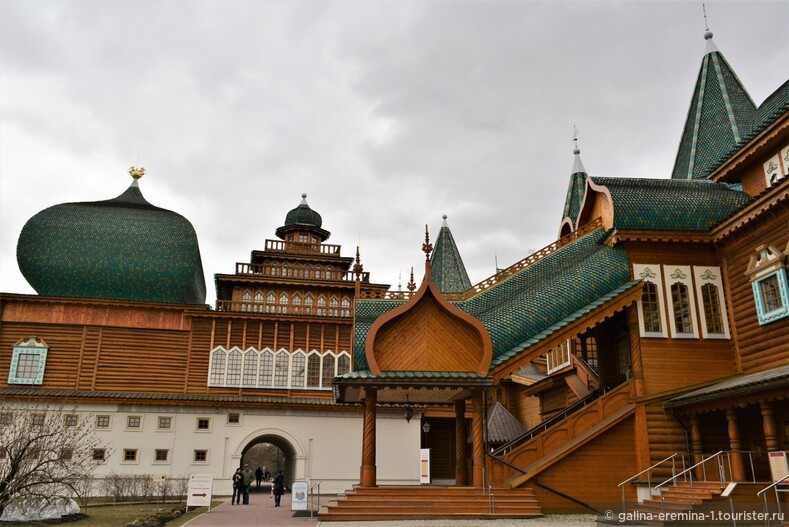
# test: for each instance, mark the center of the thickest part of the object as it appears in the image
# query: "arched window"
(681, 307)
(314, 371)
(250, 368)
(328, 370)
(333, 305)
(233, 377)
(297, 370)
(217, 367)
(651, 308)
(308, 305)
(271, 300)
(329, 272)
(258, 307)
(283, 303)
(321, 305)
(246, 299)
(346, 307)
(285, 270)
(319, 272)
(712, 311)
(343, 364)
(274, 269)
(266, 368)
(281, 367)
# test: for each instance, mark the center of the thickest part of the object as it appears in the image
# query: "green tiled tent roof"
(449, 273)
(122, 249)
(670, 204)
(721, 113)
(541, 298)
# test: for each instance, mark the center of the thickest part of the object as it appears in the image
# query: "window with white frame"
(265, 369)
(651, 314)
(767, 273)
(28, 361)
(558, 357)
(679, 289)
(709, 292)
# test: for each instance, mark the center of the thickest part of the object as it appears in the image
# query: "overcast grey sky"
(387, 114)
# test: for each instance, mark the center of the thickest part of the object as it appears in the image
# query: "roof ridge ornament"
(711, 47)
(358, 268)
(411, 284)
(427, 247)
(136, 173)
(304, 199)
(578, 166)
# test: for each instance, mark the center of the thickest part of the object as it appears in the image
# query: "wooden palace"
(646, 347)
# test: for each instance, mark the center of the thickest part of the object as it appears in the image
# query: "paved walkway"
(261, 513)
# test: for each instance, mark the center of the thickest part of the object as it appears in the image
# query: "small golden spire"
(427, 247)
(411, 284)
(136, 173)
(357, 267)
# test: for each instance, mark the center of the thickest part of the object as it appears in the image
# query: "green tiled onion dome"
(303, 215)
(122, 249)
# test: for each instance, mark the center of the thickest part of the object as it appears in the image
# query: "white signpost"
(424, 466)
(298, 496)
(200, 489)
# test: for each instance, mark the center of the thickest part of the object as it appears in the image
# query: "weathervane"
(576, 150)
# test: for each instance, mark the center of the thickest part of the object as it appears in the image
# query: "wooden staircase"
(684, 498)
(424, 503)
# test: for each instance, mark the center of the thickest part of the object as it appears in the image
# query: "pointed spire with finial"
(411, 284)
(711, 47)
(576, 189)
(446, 266)
(427, 247)
(358, 268)
(578, 166)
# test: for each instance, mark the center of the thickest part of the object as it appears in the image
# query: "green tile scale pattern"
(122, 249)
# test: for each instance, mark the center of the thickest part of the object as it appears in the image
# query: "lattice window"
(321, 305)
(314, 371)
(712, 312)
(250, 368)
(246, 299)
(327, 370)
(258, 307)
(266, 368)
(308, 305)
(283, 303)
(233, 376)
(281, 367)
(346, 307)
(333, 305)
(28, 362)
(298, 370)
(217, 376)
(651, 307)
(681, 308)
(343, 364)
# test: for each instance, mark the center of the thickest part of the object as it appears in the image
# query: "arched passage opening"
(272, 450)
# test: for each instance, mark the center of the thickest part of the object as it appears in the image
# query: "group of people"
(242, 480)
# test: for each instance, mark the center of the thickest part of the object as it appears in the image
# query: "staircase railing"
(555, 418)
(648, 473)
(719, 459)
(762, 492)
(312, 497)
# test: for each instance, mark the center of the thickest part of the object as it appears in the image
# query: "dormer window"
(767, 273)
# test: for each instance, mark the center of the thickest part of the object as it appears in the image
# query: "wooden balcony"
(289, 309)
(301, 273)
(302, 247)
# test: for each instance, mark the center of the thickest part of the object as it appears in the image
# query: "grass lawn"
(120, 515)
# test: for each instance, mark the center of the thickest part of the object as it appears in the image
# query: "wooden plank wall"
(666, 437)
(591, 473)
(760, 347)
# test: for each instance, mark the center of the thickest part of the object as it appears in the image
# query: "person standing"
(249, 476)
(238, 483)
(278, 487)
(258, 476)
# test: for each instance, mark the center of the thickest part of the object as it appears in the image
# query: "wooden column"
(368, 477)
(478, 438)
(460, 442)
(735, 445)
(770, 431)
(696, 444)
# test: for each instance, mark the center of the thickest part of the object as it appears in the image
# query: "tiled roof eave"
(771, 197)
(582, 319)
(633, 235)
(745, 384)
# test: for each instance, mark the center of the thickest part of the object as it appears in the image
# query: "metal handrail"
(774, 484)
(690, 468)
(312, 499)
(649, 480)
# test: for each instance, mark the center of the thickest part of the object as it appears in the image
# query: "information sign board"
(298, 496)
(200, 489)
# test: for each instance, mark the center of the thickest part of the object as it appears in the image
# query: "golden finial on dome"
(136, 173)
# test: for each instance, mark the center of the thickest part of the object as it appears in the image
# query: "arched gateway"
(291, 447)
